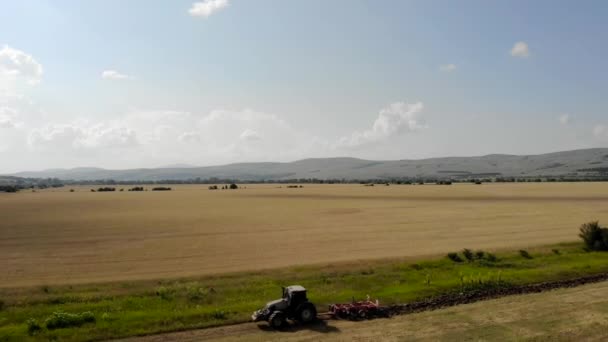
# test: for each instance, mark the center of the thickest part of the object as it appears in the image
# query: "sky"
(132, 84)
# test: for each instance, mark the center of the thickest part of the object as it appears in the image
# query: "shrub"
(480, 254)
(107, 188)
(213, 187)
(32, 326)
(137, 188)
(233, 186)
(60, 320)
(491, 257)
(454, 257)
(556, 251)
(71, 190)
(161, 188)
(525, 254)
(219, 315)
(594, 236)
(468, 254)
(196, 293)
(164, 293)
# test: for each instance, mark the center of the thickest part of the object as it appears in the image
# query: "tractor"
(293, 306)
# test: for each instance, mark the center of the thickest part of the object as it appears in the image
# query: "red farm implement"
(365, 309)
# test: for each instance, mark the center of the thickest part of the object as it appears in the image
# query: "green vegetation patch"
(112, 310)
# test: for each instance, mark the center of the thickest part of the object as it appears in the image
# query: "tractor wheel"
(277, 319)
(307, 313)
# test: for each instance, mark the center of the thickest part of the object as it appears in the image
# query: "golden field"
(56, 236)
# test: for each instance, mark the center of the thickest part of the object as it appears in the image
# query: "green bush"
(468, 254)
(491, 257)
(219, 315)
(525, 254)
(480, 254)
(594, 236)
(33, 327)
(60, 320)
(454, 257)
(164, 293)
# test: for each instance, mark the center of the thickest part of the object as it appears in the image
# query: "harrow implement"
(359, 310)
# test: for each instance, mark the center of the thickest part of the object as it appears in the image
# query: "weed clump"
(480, 256)
(60, 320)
(33, 327)
(491, 257)
(468, 254)
(454, 257)
(164, 293)
(219, 315)
(524, 253)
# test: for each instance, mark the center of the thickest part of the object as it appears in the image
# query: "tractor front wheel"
(277, 320)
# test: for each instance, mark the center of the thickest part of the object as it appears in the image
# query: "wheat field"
(62, 237)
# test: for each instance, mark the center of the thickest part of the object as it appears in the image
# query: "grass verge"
(146, 307)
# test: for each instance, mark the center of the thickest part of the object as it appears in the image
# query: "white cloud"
(600, 131)
(250, 135)
(447, 67)
(114, 75)
(189, 137)
(207, 7)
(8, 118)
(520, 49)
(564, 119)
(81, 136)
(16, 64)
(396, 119)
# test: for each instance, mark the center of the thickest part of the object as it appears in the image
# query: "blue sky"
(123, 84)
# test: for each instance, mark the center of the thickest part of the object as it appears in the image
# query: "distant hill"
(568, 163)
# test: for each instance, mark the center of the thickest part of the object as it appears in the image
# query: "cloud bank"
(396, 119)
(18, 65)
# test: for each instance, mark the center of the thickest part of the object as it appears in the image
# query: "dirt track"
(579, 313)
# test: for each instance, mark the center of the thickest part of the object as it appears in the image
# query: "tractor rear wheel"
(277, 319)
(307, 313)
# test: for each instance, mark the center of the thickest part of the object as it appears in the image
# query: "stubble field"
(60, 237)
